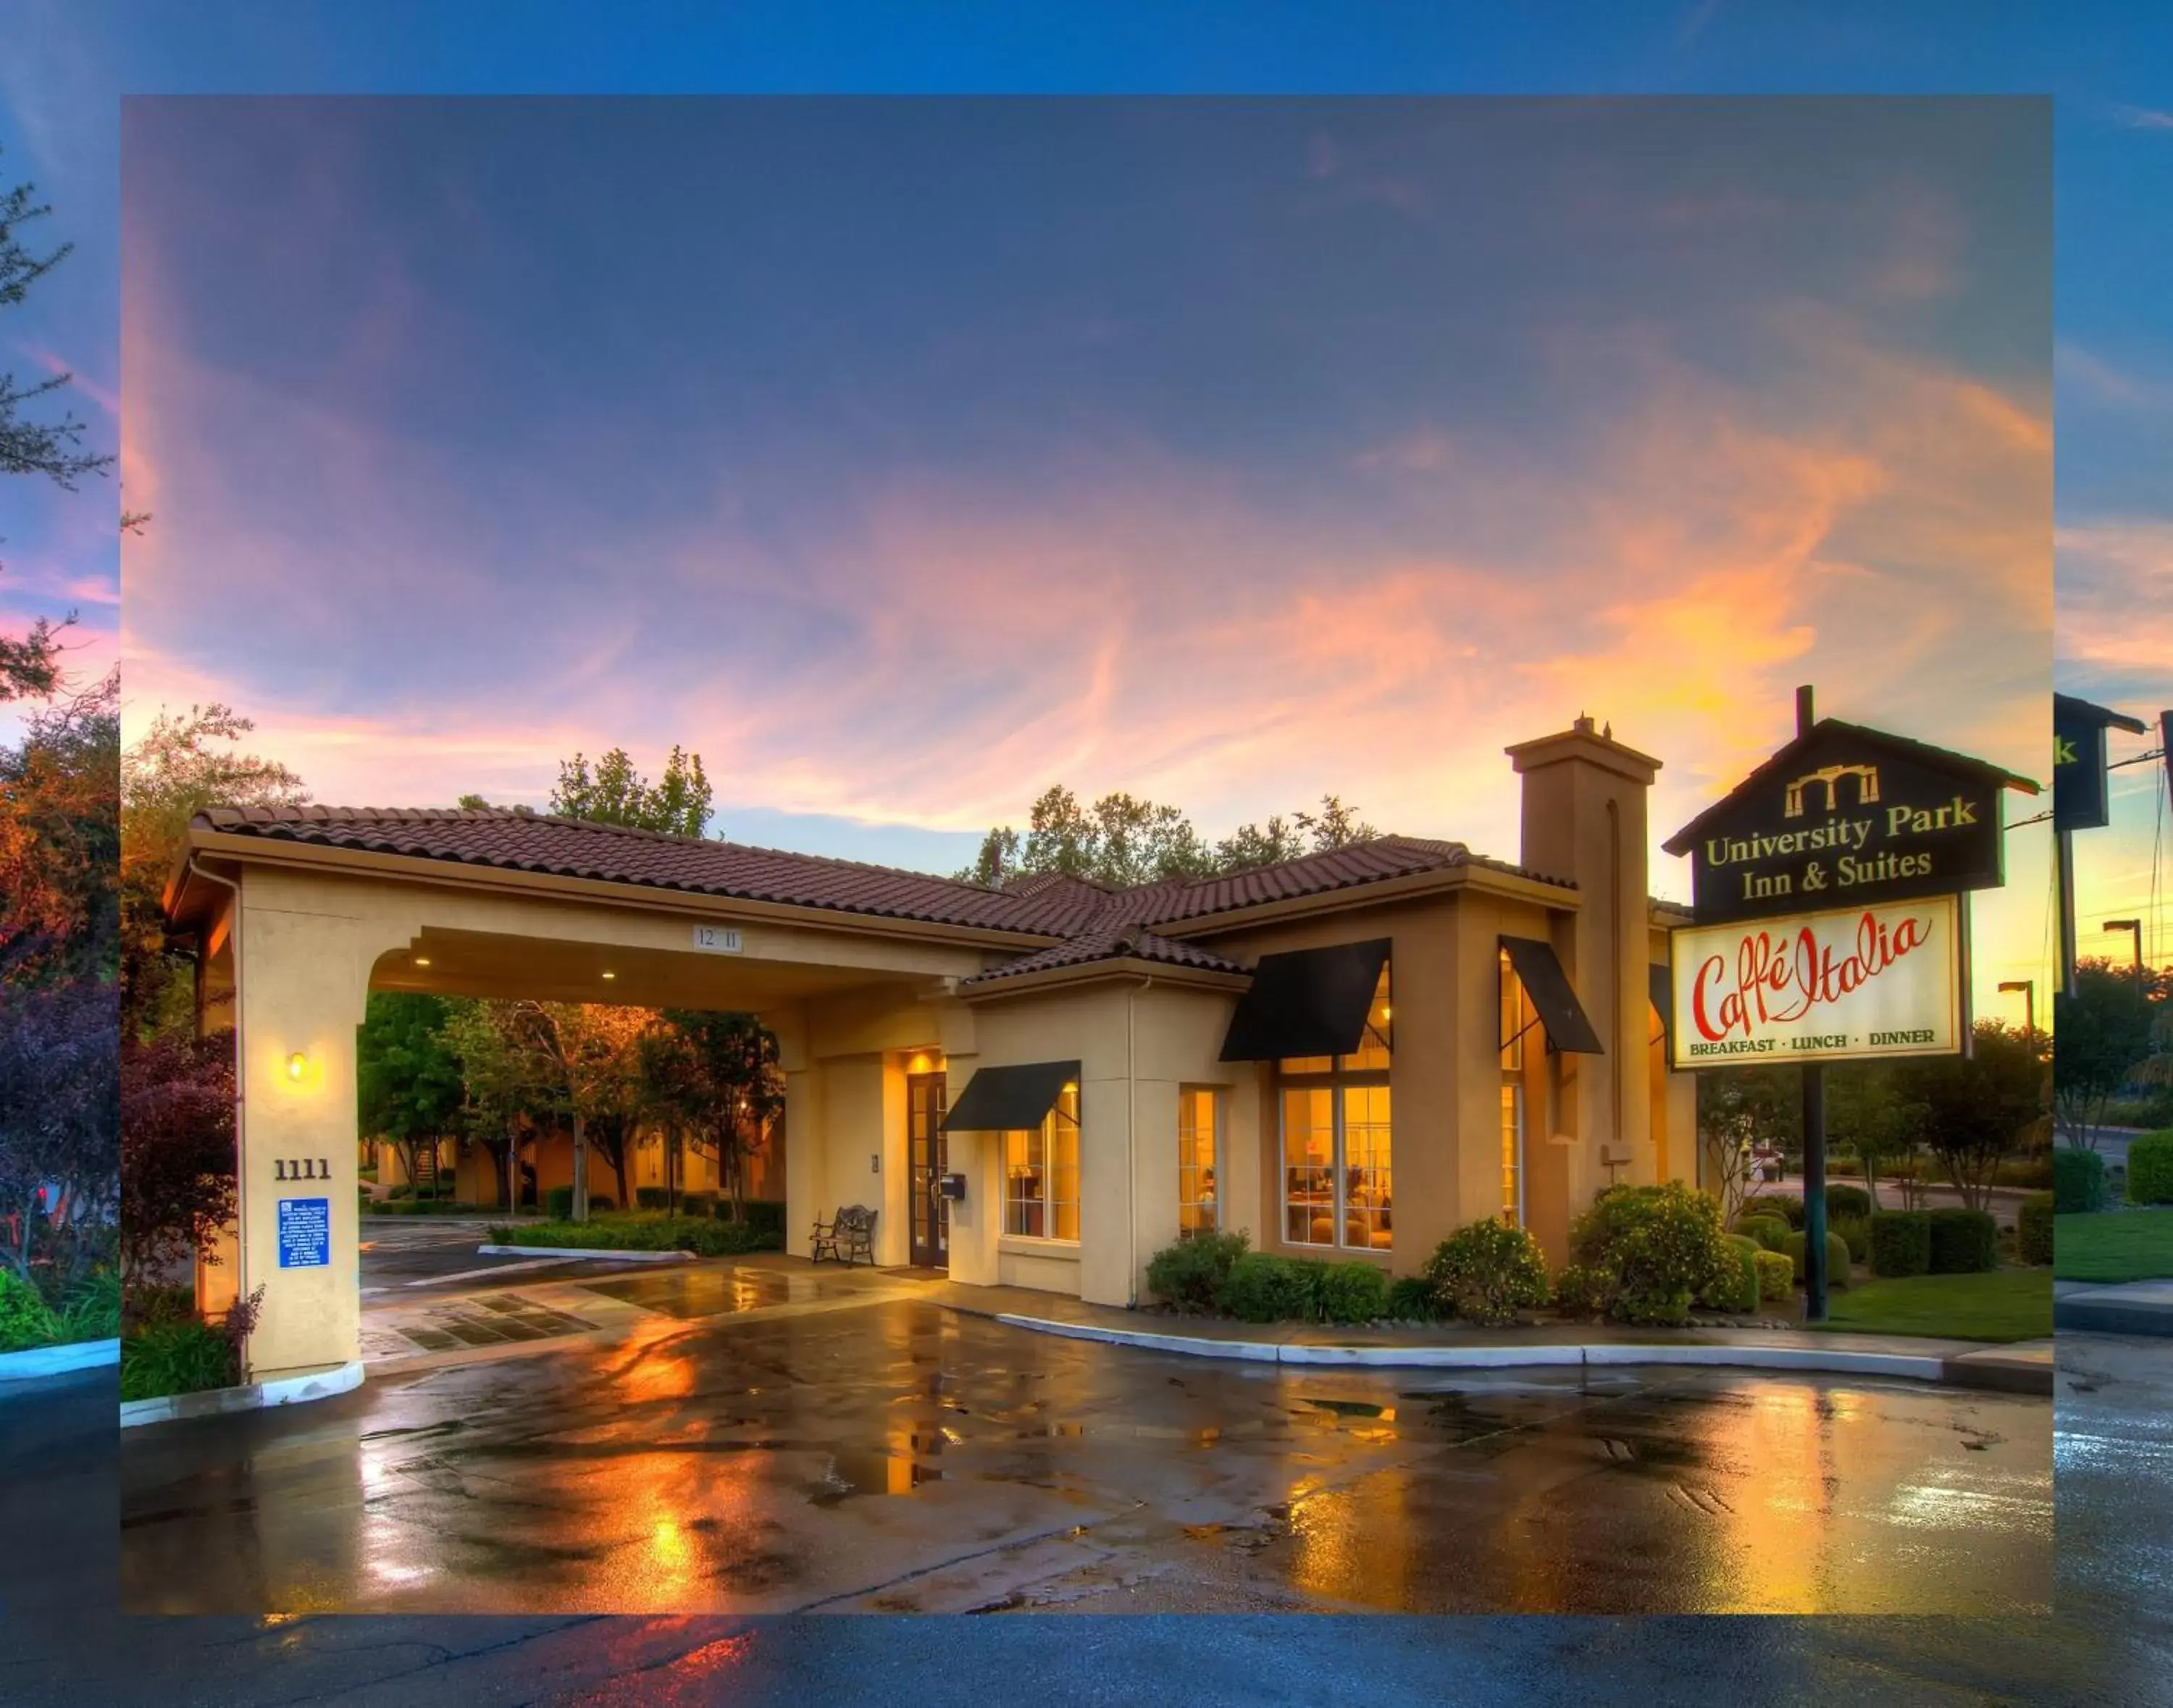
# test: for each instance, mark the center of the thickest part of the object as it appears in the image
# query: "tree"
(503, 1102)
(1737, 1108)
(715, 1078)
(1121, 840)
(28, 445)
(181, 766)
(587, 1066)
(177, 1148)
(615, 793)
(1977, 1107)
(60, 841)
(57, 1117)
(2100, 1035)
(1865, 1110)
(473, 803)
(408, 1076)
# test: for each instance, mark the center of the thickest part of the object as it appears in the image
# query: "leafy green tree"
(59, 842)
(615, 793)
(715, 1078)
(411, 1088)
(1739, 1107)
(1978, 1107)
(473, 803)
(1121, 840)
(584, 1065)
(181, 765)
(1866, 1111)
(2101, 1035)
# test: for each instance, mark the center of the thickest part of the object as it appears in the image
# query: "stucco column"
(304, 980)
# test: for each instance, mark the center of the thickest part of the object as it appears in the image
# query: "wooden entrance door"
(926, 1155)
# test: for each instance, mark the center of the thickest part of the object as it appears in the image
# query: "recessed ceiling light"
(421, 961)
(611, 975)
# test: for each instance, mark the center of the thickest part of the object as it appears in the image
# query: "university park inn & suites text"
(1851, 836)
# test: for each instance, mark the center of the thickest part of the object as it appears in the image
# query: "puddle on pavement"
(698, 1293)
(848, 1475)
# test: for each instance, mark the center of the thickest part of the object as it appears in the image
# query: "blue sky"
(1847, 317)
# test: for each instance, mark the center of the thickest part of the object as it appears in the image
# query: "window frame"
(1050, 1132)
(1213, 1167)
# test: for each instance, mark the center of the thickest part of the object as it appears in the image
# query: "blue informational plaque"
(305, 1233)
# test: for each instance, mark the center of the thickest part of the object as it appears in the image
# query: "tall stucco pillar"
(304, 980)
(1584, 819)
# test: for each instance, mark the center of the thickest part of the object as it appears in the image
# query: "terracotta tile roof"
(1107, 942)
(1085, 918)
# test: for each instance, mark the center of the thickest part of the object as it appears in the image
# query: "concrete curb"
(57, 1361)
(323, 1384)
(588, 1252)
(2095, 1312)
(1909, 1367)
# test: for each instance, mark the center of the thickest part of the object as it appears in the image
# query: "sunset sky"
(905, 457)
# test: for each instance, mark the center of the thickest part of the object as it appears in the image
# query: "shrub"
(601, 1206)
(405, 1189)
(1735, 1287)
(558, 1202)
(1789, 1203)
(1488, 1272)
(1766, 1231)
(184, 1357)
(1964, 1241)
(2150, 1169)
(1847, 1203)
(2079, 1181)
(652, 1197)
(1777, 1275)
(1662, 1245)
(2033, 1172)
(1262, 1288)
(699, 1205)
(1353, 1292)
(92, 1310)
(1580, 1291)
(1900, 1243)
(1410, 1299)
(25, 1319)
(1855, 1231)
(764, 1214)
(2033, 1229)
(1189, 1275)
(1837, 1258)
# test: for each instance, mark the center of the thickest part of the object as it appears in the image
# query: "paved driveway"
(892, 1456)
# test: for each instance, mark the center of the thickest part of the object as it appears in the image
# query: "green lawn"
(2128, 1245)
(2002, 1305)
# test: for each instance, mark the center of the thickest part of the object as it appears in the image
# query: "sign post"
(1832, 919)
(2081, 800)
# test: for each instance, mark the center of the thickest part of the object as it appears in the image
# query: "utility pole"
(1815, 1133)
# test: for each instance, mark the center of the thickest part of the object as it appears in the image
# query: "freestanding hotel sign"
(1830, 891)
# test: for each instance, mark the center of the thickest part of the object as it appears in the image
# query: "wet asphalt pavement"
(2110, 1641)
(895, 1457)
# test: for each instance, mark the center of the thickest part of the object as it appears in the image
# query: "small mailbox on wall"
(951, 1186)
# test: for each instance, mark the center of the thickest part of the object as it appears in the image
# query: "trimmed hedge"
(1353, 1292)
(1581, 1291)
(2150, 1168)
(1900, 1243)
(1263, 1288)
(1767, 1231)
(764, 1215)
(708, 1239)
(1189, 1275)
(1488, 1272)
(1847, 1203)
(1855, 1231)
(558, 1204)
(2033, 1229)
(1736, 1288)
(2079, 1181)
(1776, 1275)
(1789, 1203)
(1964, 1241)
(1837, 1258)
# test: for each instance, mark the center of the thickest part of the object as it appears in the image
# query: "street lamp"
(2135, 928)
(2028, 987)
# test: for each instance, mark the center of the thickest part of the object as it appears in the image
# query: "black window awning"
(1548, 986)
(1307, 1002)
(1664, 1002)
(1007, 1100)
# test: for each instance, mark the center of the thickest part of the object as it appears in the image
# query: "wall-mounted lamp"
(421, 961)
(296, 1064)
(611, 975)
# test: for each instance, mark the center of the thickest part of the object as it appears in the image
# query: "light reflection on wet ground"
(899, 1457)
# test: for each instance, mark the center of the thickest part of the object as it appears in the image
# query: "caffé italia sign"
(1853, 983)
(1846, 816)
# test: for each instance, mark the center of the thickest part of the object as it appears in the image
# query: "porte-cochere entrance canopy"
(874, 977)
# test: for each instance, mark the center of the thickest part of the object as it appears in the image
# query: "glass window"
(1310, 1165)
(1198, 1156)
(1041, 1174)
(1366, 1198)
(1514, 1019)
(1338, 1184)
(1374, 1043)
(1513, 1155)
